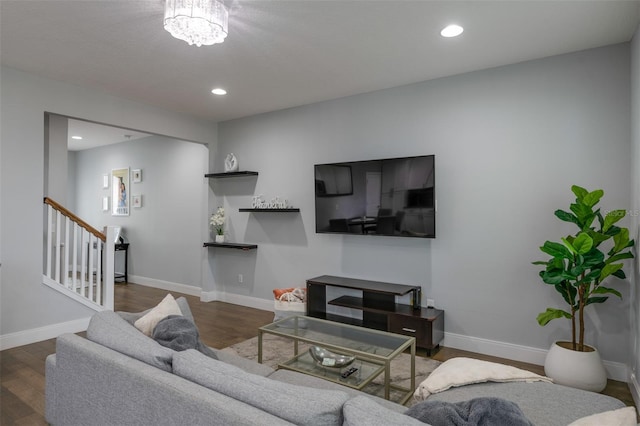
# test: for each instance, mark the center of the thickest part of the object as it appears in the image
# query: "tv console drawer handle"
(410, 330)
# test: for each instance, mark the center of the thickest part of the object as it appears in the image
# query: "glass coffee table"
(373, 351)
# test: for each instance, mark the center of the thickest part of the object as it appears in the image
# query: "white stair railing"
(75, 254)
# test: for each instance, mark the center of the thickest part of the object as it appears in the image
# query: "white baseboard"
(26, 337)
(165, 285)
(237, 299)
(205, 296)
(615, 370)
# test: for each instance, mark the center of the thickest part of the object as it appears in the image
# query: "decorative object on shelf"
(137, 175)
(199, 22)
(326, 358)
(230, 163)
(276, 203)
(217, 223)
(137, 201)
(577, 269)
(219, 238)
(119, 192)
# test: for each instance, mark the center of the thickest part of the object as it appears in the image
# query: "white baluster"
(92, 240)
(84, 247)
(58, 231)
(74, 265)
(49, 239)
(67, 225)
(99, 272)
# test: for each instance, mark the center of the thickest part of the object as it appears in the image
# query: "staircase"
(79, 259)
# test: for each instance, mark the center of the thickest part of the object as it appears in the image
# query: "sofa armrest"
(50, 389)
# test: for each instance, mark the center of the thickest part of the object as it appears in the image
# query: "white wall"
(509, 143)
(635, 196)
(29, 310)
(165, 234)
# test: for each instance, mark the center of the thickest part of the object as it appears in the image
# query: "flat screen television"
(392, 197)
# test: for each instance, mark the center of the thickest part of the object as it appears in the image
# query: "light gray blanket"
(475, 412)
(180, 333)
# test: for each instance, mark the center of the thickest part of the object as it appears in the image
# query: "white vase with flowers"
(217, 224)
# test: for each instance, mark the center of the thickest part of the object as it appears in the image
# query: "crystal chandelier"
(197, 21)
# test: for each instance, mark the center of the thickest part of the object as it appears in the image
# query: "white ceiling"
(95, 135)
(281, 54)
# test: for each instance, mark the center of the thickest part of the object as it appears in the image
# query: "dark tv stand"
(379, 308)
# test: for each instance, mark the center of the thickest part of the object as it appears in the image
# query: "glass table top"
(357, 339)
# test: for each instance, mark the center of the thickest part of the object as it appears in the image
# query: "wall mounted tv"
(393, 197)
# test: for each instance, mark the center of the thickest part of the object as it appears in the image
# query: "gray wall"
(509, 143)
(56, 183)
(635, 195)
(29, 309)
(165, 234)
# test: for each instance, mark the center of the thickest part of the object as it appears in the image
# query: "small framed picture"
(137, 201)
(105, 204)
(137, 176)
(105, 181)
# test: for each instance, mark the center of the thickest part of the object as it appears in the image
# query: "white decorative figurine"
(230, 163)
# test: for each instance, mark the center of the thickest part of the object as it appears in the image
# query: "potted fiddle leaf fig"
(578, 268)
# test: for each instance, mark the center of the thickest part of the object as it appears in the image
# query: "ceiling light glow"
(218, 91)
(451, 31)
(78, 138)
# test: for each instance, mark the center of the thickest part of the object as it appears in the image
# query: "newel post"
(109, 264)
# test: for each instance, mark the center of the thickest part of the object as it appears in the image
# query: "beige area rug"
(277, 349)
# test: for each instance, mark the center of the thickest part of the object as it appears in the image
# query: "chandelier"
(197, 21)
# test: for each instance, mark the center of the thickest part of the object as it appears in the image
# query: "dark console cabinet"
(379, 308)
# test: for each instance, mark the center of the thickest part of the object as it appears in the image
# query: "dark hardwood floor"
(22, 377)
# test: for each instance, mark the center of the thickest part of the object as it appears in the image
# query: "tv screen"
(393, 197)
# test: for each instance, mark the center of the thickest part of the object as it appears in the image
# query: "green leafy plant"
(578, 266)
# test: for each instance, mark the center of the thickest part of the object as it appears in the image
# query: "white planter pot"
(219, 238)
(582, 370)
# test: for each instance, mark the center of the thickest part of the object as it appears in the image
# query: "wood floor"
(221, 324)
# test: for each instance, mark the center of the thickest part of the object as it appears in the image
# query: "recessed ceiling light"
(451, 31)
(76, 137)
(219, 91)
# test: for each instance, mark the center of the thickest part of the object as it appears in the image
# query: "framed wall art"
(120, 192)
(136, 175)
(137, 201)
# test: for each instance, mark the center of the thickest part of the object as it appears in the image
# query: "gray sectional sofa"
(118, 376)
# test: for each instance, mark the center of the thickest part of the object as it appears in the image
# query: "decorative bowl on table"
(326, 358)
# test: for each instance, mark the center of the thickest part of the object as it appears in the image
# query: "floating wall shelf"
(238, 246)
(230, 174)
(271, 210)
